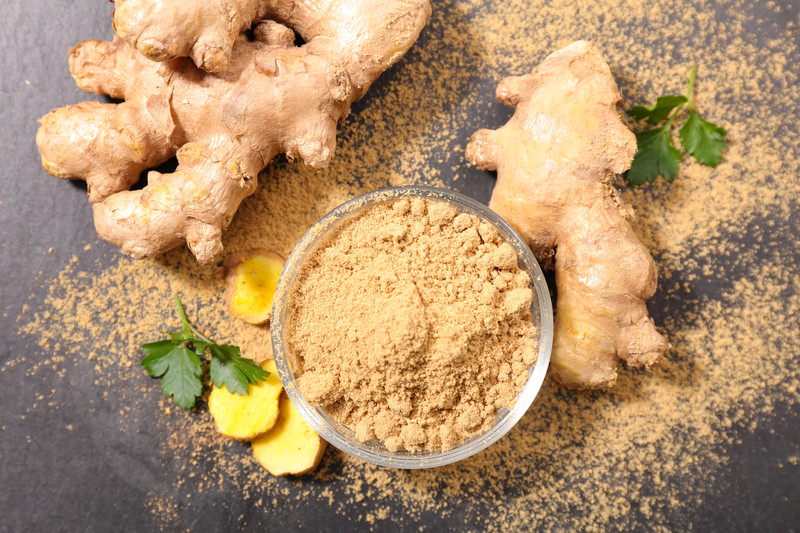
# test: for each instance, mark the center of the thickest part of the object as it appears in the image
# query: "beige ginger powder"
(412, 325)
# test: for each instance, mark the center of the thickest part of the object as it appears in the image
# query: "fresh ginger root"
(246, 417)
(274, 97)
(252, 279)
(291, 446)
(206, 30)
(554, 161)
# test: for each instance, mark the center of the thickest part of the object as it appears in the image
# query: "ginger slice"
(273, 97)
(291, 447)
(246, 417)
(554, 160)
(252, 279)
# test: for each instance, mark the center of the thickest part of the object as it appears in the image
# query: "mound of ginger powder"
(411, 325)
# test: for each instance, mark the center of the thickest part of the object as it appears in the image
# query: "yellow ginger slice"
(246, 417)
(252, 278)
(291, 447)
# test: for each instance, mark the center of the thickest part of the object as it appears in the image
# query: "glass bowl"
(342, 437)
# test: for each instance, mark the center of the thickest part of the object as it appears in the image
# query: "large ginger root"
(273, 98)
(554, 160)
(206, 30)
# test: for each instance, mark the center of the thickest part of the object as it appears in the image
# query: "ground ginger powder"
(412, 325)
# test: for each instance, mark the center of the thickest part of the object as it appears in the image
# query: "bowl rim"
(541, 307)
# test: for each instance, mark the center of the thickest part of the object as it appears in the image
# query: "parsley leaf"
(704, 140)
(656, 154)
(177, 361)
(659, 111)
(235, 372)
(179, 369)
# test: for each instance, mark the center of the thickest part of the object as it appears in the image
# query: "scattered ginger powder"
(412, 325)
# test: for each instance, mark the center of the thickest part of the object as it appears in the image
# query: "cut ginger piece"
(246, 417)
(291, 447)
(252, 278)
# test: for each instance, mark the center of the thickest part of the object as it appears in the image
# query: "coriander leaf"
(704, 140)
(656, 156)
(156, 360)
(177, 361)
(659, 111)
(230, 369)
(180, 370)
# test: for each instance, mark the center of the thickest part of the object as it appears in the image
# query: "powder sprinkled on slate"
(652, 453)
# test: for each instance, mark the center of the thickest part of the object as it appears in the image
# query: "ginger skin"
(273, 98)
(554, 161)
(206, 30)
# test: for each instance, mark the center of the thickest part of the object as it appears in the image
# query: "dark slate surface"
(55, 479)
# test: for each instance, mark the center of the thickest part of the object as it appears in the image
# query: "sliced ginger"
(554, 161)
(291, 446)
(246, 417)
(252, 278)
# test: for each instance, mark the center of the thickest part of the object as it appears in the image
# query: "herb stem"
(181, 312)
(692, 75)
(668, 125)
(678, 109)
(187, 324)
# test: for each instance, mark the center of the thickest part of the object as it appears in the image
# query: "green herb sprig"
(656, 155)
(178, 361)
